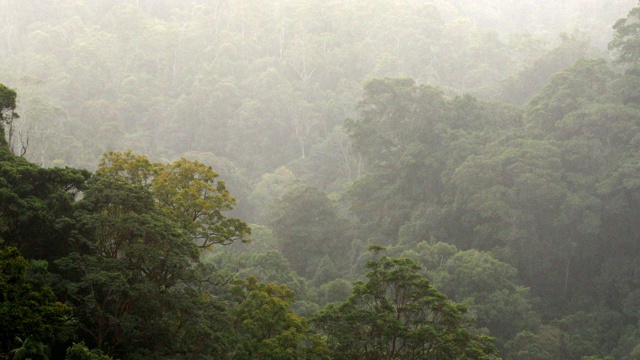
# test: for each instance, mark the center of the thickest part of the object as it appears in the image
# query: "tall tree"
(398, 314)
(268, 329)
(7, 114)
(36, 205)
(135, 278)
(129, 263)
(186, 191)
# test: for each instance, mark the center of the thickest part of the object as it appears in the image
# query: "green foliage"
(573, 337)
(331, 164)
(335, 291)
(625, 39)
(270, 266)
(36, 212)
(266, 326)
(309, 228)
(78, 351)
(7, 114)
(584, 82)
(7, 99)
(259, 90)
(28, 309)
(413, 138)
(488, 287)
(186, 191)
(29, 349)
(271, 187)
(528, 346)
(196, 324)
(130, 262)
(396, 313)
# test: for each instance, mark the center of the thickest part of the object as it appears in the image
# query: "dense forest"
(387, 179)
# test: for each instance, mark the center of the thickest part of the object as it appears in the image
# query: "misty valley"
(306, 179)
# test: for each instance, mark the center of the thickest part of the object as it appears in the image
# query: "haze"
(493, 142)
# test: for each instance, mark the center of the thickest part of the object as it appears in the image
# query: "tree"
(626, 39)
(546, 345)
(28, 308)
(309, 227)
(36, 206)
(332, 163)
(188, 192)
(130, 267)
(272, 186)
(29, 349)
(268, 266)
(397, 314)
(412, 138)
(79, 351)
(267, 328)
(487, 286)
(7, 116)
(135, 277)
(394, 113)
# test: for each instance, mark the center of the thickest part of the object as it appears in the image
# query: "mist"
(493, 143)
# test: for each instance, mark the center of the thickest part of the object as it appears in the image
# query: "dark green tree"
(398, 314)
(35, 203)
(7, 116)
(29, 311)
(268, 329)
(412, 137)
(36, 206)
(487, 286)
(29, 349)
(132, 269)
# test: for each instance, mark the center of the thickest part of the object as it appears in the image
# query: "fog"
(493, 140)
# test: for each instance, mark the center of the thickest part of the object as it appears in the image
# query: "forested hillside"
(260, 83)
(320, 179)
